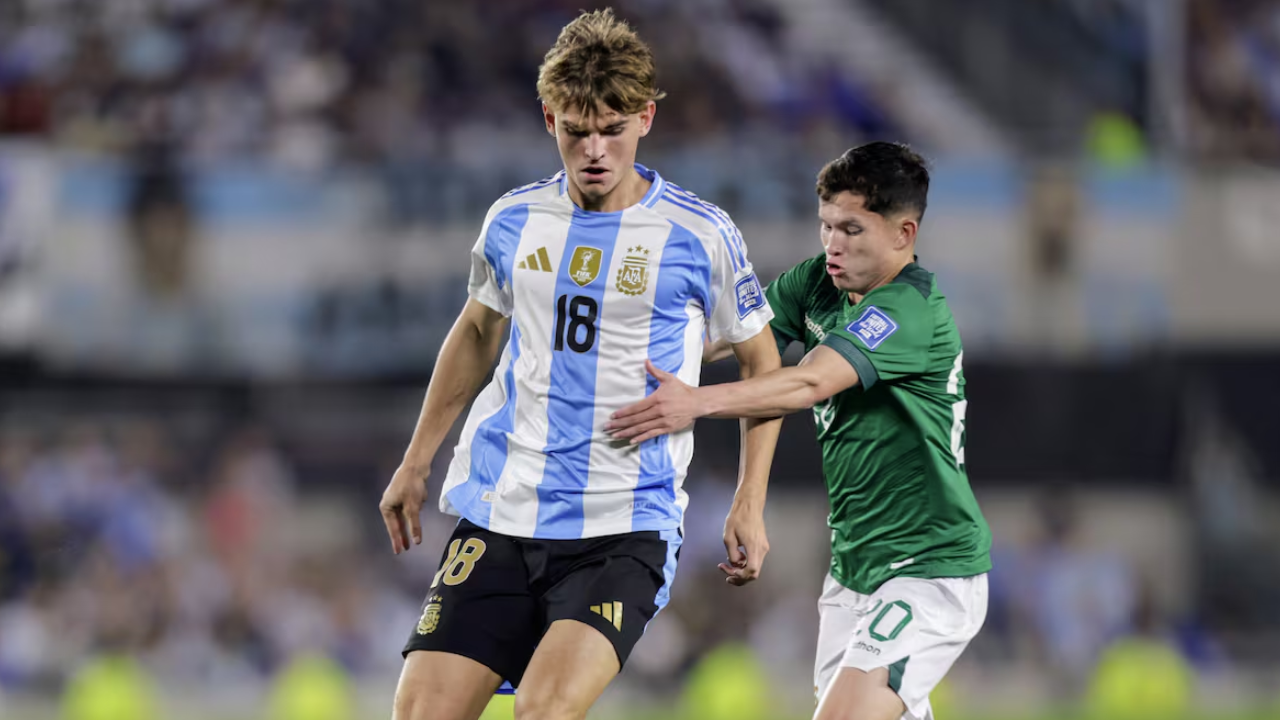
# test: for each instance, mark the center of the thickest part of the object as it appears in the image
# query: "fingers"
(391, 518)
(746, 557)
(659, 432)
(643, 431)
(735, 575)
(633, 418)
(635, 409)
(732, 548)
(414, 517)
(653, 370)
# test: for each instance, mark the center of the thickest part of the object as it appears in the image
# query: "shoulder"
(811, 271)
(912, 289)
(705, 220)
(546, 190)
(916, 278)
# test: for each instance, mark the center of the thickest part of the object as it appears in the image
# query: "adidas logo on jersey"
(611, 611)
(537, 261)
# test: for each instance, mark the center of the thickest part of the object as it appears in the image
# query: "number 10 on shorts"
(891, 621)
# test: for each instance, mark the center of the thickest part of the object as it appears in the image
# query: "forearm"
(463, 363)
(759, 439)
(770, 395)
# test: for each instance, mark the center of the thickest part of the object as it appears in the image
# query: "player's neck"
(887, 277)
(630, 191)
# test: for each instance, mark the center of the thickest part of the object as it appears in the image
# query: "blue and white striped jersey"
(590, 296)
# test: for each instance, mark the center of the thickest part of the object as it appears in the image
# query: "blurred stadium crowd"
(216, 548)
(1234, 78)
(427, 91)
(215, 560)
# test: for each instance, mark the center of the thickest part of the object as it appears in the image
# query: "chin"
(596, 192)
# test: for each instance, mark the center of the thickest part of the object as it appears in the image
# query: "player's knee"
(532, 705)
(418, 703)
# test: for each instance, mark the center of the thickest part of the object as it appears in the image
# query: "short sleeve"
(888, 335)
(786, 297)
(491, 258)
(739, 309)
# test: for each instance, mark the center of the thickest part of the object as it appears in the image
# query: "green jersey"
(892, 447)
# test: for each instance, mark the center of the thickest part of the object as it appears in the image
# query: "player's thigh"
(860, 695)
(840, 610)
(443, 686)
(480, 605)
(614, 584)
(572, 666)
(915, 630)
(605, 592)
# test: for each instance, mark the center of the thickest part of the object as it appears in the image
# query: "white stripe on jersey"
(606, 510)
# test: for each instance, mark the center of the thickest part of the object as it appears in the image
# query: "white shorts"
(915, 627)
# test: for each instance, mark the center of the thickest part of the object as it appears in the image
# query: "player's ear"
(646, 117)
(549, 117)
(907, 229)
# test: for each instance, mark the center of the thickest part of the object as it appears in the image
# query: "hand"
(670, 408)
(746, 543)
(401, 506)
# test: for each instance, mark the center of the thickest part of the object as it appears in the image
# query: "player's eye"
(853, 230)
(615, 130)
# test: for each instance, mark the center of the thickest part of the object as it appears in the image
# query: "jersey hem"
(465, 508)
(933, 571)
(489, 300)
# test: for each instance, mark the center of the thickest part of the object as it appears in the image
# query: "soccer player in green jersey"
(910, 550)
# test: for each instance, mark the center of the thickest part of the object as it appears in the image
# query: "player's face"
(599, 148)
(863, 248)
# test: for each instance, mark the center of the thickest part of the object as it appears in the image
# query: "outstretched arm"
(464, 361)
(821, 374)
(674, 405)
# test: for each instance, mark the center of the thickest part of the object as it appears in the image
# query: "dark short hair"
(890, 177)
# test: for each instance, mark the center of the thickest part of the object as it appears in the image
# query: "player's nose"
(595, 146)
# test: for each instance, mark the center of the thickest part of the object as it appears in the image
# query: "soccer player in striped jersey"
(568, 540)
(910, 550)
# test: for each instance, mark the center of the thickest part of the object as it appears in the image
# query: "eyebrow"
(571, 127)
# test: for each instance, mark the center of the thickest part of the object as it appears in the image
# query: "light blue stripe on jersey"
(684, 276)
(669, 569)
(489, 446)
(735, 237)
(502, 239)
(700, 209)
(571, 396)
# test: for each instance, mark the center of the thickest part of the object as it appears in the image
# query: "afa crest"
(430, 619)
(584, 266)
(633, 276)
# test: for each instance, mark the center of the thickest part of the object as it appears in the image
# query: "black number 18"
(582, 312)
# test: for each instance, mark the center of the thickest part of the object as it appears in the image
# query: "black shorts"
(495, 595)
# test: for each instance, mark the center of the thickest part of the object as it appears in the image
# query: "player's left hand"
(746, 543)
(670, 408)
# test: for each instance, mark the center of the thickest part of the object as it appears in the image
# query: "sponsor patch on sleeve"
(749, 295)
(873, 328)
